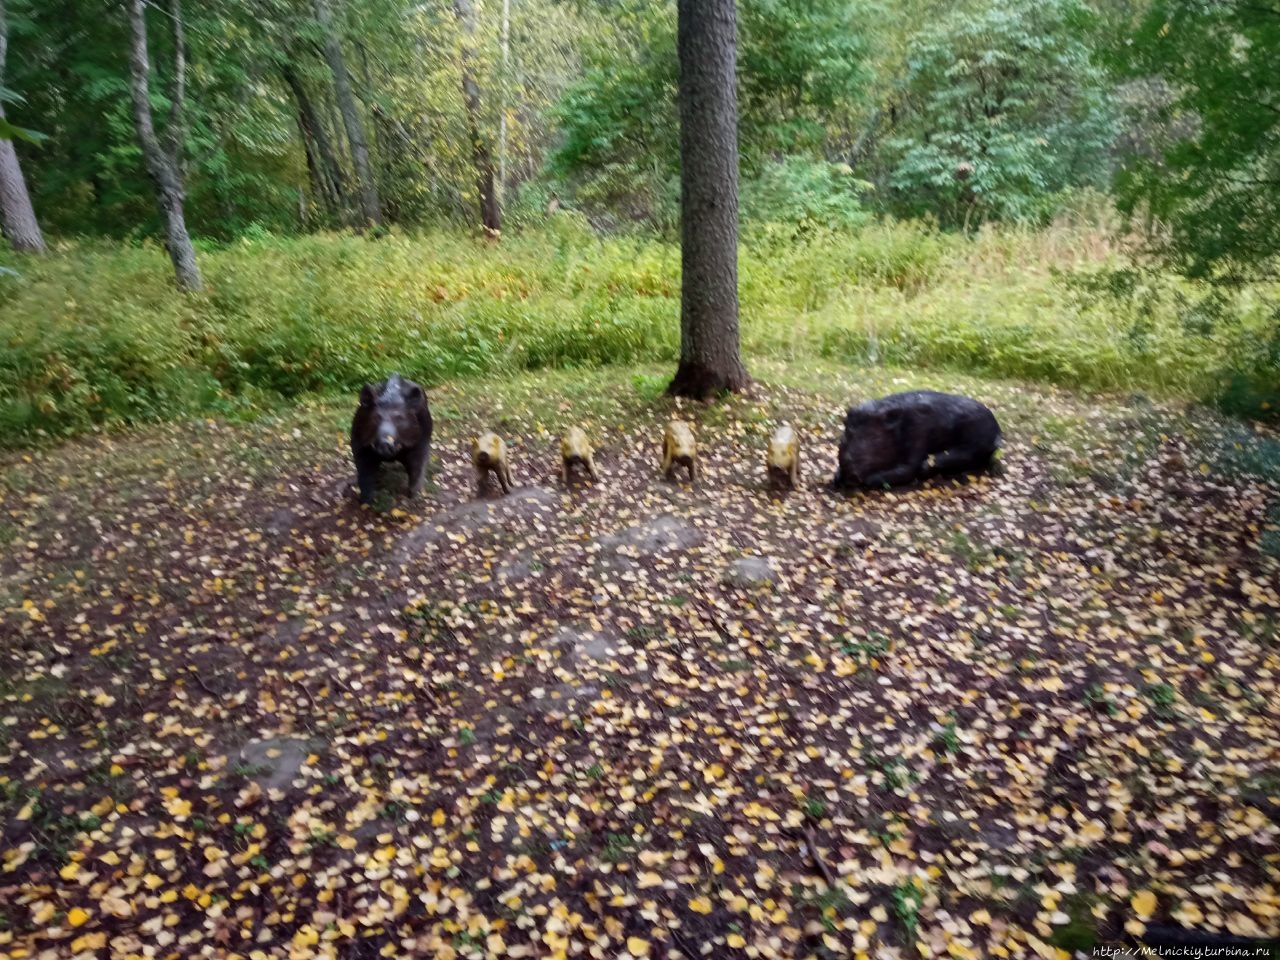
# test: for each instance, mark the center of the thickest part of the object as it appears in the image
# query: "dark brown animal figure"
(912, 436)
(392, 422)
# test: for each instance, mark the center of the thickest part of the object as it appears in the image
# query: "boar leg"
(693, 469)
(416, 465)
(667, 465)
(504, 478)
(564, 471)
(914, 448)
(795, 469)
(367, 474)
(591, 468)
(960, 460)
(895, 477)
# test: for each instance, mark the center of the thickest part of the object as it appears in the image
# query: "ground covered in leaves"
(242, 716)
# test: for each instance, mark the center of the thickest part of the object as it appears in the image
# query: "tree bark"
(315, 174)
(327, 176)
(481, 154)
(710, 361)
(17, 216)
(163, 167)
(370, 207)
(506, 96)
(176, 131)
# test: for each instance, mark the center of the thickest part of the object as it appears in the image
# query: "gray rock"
(276, 761)
(579, 645)
(475, 515)
(514, 571)
(280, 522)
(666, 532)
(751, 571)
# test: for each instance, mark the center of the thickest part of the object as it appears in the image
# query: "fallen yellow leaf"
(1144, 904)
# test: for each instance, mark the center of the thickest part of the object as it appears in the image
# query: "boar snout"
(387, 443)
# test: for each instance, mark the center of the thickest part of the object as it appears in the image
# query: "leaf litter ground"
(244, 717)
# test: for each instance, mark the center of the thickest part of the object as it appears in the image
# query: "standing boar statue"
(912, 436)
(391, 423)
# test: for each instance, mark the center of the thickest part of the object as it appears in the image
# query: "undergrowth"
(96, 333)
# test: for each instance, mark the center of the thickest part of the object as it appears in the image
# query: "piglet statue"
(907, 437)
(392, 422)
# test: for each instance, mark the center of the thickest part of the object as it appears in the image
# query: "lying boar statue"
(392, 422)
(907, 437)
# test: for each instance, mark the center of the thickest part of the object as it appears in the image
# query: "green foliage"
(69, 60)
(247, 165)
(9, 131)
(619, 145)
(98, 337)
(907, 900)
(1003, 109)
(1212, 176)
(1142, 300)
(95, 334)
(800, 67)
(805, 194)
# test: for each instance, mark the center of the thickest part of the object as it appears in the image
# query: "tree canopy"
(1211, 174)
(300, 114)
(1002, 108)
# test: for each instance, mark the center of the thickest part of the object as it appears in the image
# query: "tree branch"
(161, 165)
(139, 82)
(178, 87)
(4, 45)
(1258, 8)
(1253, 181)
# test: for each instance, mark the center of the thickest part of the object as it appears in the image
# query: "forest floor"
(242, 716)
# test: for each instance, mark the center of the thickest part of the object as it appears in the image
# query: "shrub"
(95, 333)
(1004, 110)
(801, 195)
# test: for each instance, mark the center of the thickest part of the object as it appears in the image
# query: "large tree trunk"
(163, 166)
(481, 154)
(370, 207)
(17, 216)
(709, 353)
(327, 176)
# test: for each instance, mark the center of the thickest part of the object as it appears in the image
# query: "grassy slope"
(96, 334)
(962, 696)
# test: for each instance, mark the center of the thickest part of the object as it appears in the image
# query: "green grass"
(96, 334)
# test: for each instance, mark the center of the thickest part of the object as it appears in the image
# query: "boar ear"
(368, 395)
(412, 393)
